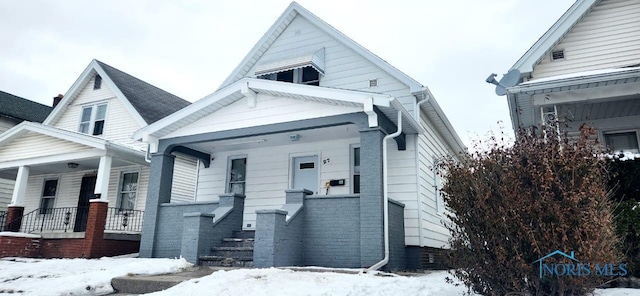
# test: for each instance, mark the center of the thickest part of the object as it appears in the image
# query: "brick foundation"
(93, 245)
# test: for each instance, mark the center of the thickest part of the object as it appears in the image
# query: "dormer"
(301, 68)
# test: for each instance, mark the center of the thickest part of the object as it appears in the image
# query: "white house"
(307, 108)
(83, 151)
(13, 110)
(585, 69)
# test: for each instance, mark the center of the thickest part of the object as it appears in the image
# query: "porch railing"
(52, 219)
(124, 220)
(3, 216)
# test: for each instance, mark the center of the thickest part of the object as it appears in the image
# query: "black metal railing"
(3, 216)
(54, 219)
(124, 220)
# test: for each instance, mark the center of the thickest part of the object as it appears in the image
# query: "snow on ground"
(92, 277)
(75, 276)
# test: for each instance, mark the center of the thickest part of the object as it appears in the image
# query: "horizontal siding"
(430, 144)
(268, 173)
(185, 172)
(7, 123)
(402, 185)
(344, 68)
(608, 37)
(35, 145)
(6, 191)
(268, 110)
(69, 188)
(119, 123)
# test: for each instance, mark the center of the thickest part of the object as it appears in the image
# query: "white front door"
(305, 173)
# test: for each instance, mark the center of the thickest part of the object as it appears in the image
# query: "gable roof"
(554, 35)
(22, 109)
(147, 102)
(281, 24)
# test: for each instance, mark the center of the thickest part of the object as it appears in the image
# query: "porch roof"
(97, 146)
(250, 87)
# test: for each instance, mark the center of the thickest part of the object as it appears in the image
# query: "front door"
(86, 193)
(305, 173)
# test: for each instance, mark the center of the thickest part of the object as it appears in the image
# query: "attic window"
(97, 82)
(557, 55)
(305, 75)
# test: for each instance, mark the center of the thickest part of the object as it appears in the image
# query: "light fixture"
(294, 137)
(72, 165)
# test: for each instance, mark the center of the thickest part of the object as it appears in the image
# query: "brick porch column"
(13, 219)
(371, 206)
(94, 235)
(159, 192)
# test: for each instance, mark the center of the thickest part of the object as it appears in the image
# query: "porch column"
(371, 191)
(159, 192)
(20, 189)
(102, 180)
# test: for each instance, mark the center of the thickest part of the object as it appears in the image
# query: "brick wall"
(168, 234)
(19, 247)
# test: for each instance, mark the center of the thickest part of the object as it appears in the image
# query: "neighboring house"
(585, 69)
(13, 110)
(84, 152)
(291, 146)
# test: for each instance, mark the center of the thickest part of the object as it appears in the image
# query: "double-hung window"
(355, 169)
(128, 191)
(305, 75)
(48, 196)
(92, 119)
(237, 175)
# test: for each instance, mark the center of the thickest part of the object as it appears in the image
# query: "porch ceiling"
(280, 139)
(601, 109)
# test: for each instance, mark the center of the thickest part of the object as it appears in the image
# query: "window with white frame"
(305, 75)
(49, 190)
(92, 119)
(355, 169)
(128, 191)
(237, 174)
(622, 142)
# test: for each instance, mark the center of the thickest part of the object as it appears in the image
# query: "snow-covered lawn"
(92, 277)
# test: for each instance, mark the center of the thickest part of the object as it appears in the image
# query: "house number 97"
(325, 161)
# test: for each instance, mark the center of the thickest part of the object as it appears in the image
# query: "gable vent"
(557, 55)
(373, 82)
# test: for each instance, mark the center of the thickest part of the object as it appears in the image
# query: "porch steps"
(236, 251)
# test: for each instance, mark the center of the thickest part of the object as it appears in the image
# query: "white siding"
(7, 123)
(34, 145)
(607, 37)
(6, 191)
(402, 185)
(268, 173)
(430, 144)
(69, 187)
(268, 110)
(344, 68)
(119, 123)
(184, 179)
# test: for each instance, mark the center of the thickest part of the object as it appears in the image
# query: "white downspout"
(385, 190)
(419, 197)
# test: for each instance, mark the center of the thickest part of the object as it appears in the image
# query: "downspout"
(385, 190)
(147, 155)
(427, 97)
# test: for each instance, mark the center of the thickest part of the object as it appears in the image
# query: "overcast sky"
(189, 47)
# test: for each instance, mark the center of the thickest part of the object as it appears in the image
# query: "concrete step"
(244, 234)
(238, 242)
(148, 284)
(242, 253)
(219, 261)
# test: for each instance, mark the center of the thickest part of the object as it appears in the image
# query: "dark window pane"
(286, 76)
(98, 127)
(356, 183)
(356, 156)
(309, 74)
(86, 114)
(307, 165)
(50, 187)
(97, 83)
(238, 169)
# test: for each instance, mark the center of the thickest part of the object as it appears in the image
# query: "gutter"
(385, 201)
(427, 97)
